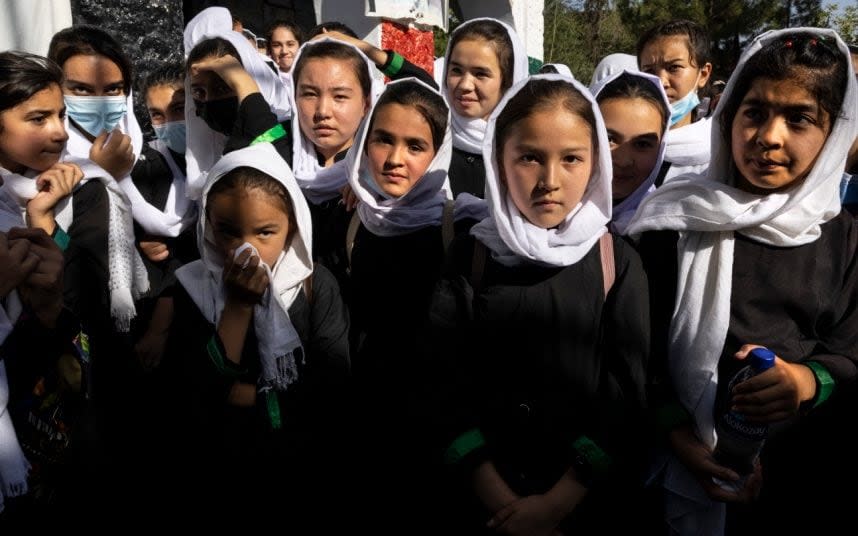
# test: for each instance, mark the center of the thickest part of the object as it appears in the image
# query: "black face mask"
(220, 115)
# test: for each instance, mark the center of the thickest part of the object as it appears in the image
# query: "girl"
(334, 90)
(402, 225)
(766, 258)
(635, 111)
(547, 346)
(34, 327)
(678, 52)
(259, 341)
(236, 99)
(613, 64)
(284, 38)
(484, 59)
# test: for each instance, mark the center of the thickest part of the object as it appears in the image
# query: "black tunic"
(227, 451)
(541, 360)
(802, 303)
(153, 178)
(467, 173)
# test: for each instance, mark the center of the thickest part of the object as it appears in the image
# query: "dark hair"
(90, 41)
(22, 75)
(427, 103)
(699, 47)
(498, 38)
(168, 74)
(245, 178)
(331, 26)
(215, 46)
(812, 61)
(628, 86)
(338, 51)
(281, 23)
(539, 95)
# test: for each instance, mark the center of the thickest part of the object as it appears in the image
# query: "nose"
(665, 79)
(770, 133)
(323, 107)
(466, 82)
(394, 156)
(549, 179)
(621, 157)
(58, 130)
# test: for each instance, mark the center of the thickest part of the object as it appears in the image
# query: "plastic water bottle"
(739, 441)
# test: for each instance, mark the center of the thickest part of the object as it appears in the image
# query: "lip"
(546, 203)
(765, 164)
(394, 177)
(324, 130)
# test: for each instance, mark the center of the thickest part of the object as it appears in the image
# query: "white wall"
(29, 24)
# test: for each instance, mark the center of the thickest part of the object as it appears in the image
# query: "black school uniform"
(802, 303)
(467, 173)
(549, 372)
(274, 453)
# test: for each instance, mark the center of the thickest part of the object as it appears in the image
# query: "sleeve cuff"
(394, 63)
(824, 382)
(463, 445)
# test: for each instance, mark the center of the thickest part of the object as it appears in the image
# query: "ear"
(705, 73)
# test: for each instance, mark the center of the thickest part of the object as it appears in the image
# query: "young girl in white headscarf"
(484, 58)
(258, 345)
(636, 113)
(404, 222)
(541, 324)
(757, 252)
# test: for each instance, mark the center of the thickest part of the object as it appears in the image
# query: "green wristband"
(824, 382)
(464, 445)
(273, 404)
(396, 62)
(595, 456)
(61, 238)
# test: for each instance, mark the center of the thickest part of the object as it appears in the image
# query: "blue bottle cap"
(762, 359)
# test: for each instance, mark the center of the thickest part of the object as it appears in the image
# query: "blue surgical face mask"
(96, 114)
(683, 106)
(172, 134)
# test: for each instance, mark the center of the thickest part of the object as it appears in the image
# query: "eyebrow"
(794, 107)
(482, 67)
(43, 111)
(524, 147)
(381, 132)
(110, 85)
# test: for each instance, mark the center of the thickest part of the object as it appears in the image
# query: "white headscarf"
(613, 64)
(624, 211)
(512, 239)
(320, 183)
(468, 133)
(205, 146)
(278, 340)
(707, 210)
(561, 68)
(178, 213)
(423, 205)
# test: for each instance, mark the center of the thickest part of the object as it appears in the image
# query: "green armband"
(273, 405)
(271, 135)
(394, 65)
(464, 445)
(598, 459)
(61, 238)
(221, 364)
(824, 382)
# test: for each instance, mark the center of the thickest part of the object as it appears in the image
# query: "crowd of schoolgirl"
(495, 303)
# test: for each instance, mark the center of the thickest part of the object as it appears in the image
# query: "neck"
(684, 121)
(329, 154)
(13, 167)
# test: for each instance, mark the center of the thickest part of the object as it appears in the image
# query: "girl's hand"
(154, 249)
(350, 199)
(42, 290)
(697, 458)
(244, 286)
(54, 185)
(533, 515)
(775, 394)
(231, 71)
(376, 55)
(116, 156)
(16, 262)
